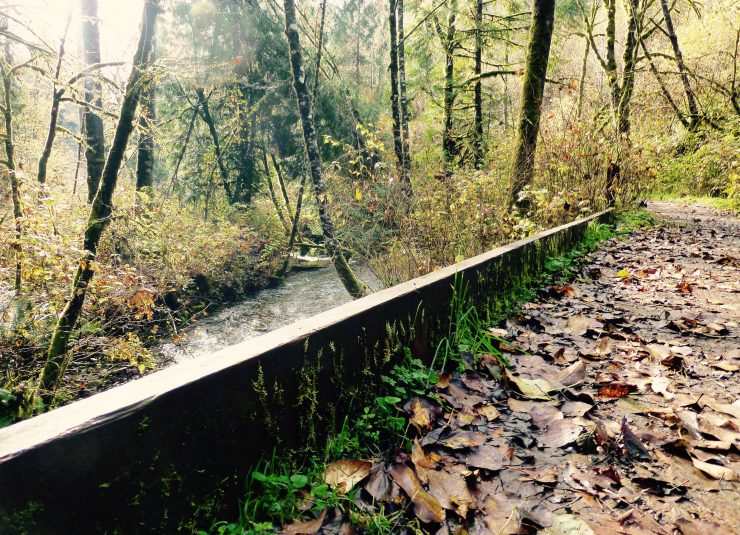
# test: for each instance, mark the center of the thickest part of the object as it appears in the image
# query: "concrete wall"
(174, 446)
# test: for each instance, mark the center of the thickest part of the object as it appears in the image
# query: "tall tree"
(8, 71)
(533, 88)
(478, 88)
(205, 112)
(56, 100)
(694, 116)
(145, 153)
(101, 209)
(448, 37)
(395, 96)
(94, 133)
(404, 105)
(353, 285)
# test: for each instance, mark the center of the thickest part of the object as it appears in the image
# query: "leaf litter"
(620, 412)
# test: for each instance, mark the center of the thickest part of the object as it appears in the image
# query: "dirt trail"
(620, 413)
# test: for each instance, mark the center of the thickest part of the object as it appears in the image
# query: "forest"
(184, 168)
(167, 164)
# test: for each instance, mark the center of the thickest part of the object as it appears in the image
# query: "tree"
(449, 42)
(404, 105)
(353, 285)
(694, 116)
(533, 88)
(478, 88)
(93, 123)
(145, 158)
(395, 96)
(101, 209)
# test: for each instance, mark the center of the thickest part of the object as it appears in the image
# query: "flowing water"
(302, 294)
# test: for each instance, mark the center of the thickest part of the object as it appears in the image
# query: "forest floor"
(620, 412)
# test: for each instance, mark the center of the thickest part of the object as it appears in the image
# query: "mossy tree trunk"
(404, 105)
(94, 132)
(145, 152)
(448, 37)
(533, 88)
(353, 285)
(395, 95)
(7, 72)
(205, 113)
(478, 88)
(56, 99)
(100, 211)
(319, 51)
(582, 84)
(693, 116)
(629, 60)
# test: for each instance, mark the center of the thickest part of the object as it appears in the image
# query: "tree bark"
(320, 50)
(281, 181)
(663, 89)
(478, 88)
(346, 275)
(294, 230)
(582, 84)
(145, 158)
(56, 99)
(100, 211)
(94, 132)
(271, 187)
(15, 187)
(449, 146)
(628, 68)
(395, 97)
(205, 113)
(693, 106)
(533, 87)
(404, 106)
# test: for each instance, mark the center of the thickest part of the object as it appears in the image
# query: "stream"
(302, 294)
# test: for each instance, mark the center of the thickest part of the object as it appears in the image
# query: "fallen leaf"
(463, 439)
(531, 388)
(487, 457)
(451, 491)
(426, 506)
(310, 527)
(572, 375)
(660, 385)
(575, 408)
(632, 444)
(714, 470)
(423, 411)
(614, 390)
(542, 415)
(577, 325)
(559, 433)
(345, 474)
(569, 525)
(489, 411)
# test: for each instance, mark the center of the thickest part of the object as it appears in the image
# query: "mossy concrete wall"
(172, 450)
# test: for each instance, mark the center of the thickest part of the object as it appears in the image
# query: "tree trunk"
(271, 187)
(395, 97)
(449, 146)
(281, 181)
(582, 84)
(478, 89)
(611, 58)
(694, 116)
(94, 133)
(100, 211)
(320, 50)
(404, 106)
(533, 88)
(145, 159)
(628, 68)
(206, 114)
(184, 147)
(56, 99)
(294, 230)
(346, 275)
(10, 159)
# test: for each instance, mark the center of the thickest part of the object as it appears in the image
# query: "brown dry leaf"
(614, 390)
(531, 388)
(519, 405)
(572, 375)
(542, 415)
(489, 411)
(345, 474)
(714, 470)
(568, 525)
(423, 412)
(559, 433)
(463, 439)
(660, 385)
(499, 333)
(547, 476)
(724, 366)
(575, 408)
(658, 351)
(310, 527)
(426, 506)
(577, 325)
(726, 408)
(451, 491)
(487, 457)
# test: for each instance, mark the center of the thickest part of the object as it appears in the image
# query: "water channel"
(302, 294)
